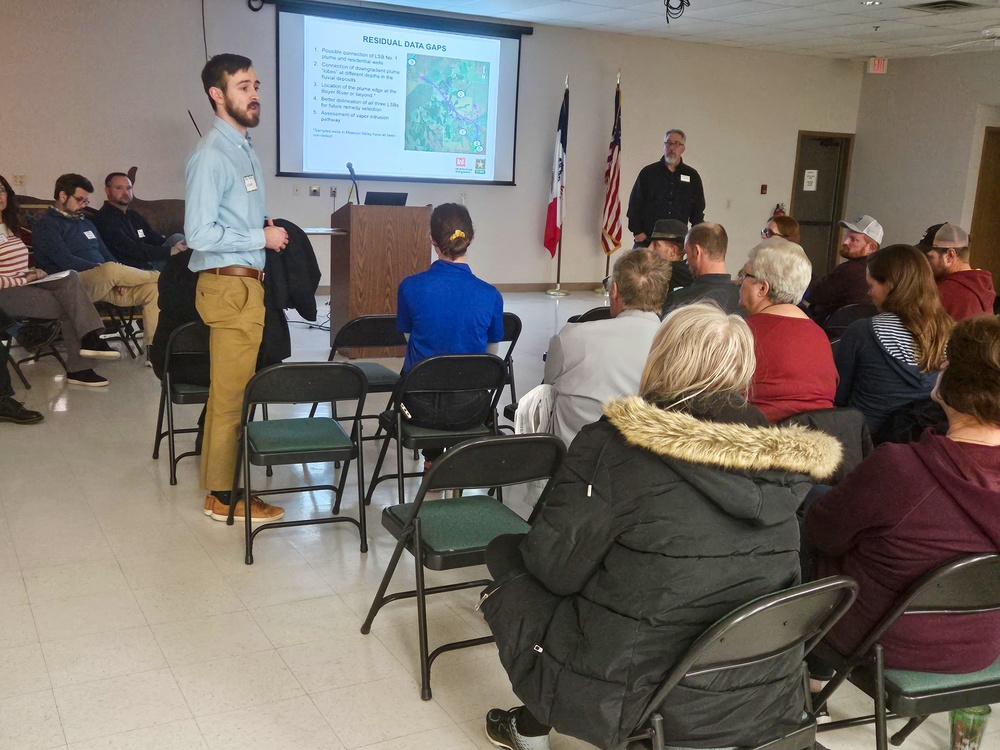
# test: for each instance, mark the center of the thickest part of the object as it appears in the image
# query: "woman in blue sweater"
(891, 360)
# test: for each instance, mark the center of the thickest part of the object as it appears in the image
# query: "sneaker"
(14, 411)
(501, 730)
(260, 512)
(86, 377)
(94, 347)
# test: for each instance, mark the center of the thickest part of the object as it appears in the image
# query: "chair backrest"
(763, 629)
(595, 313)
(495, 461)
(190, 338)
(455, 372)
(964, 585)
(840, 318)
(368, 331)
(511, 333)
(304, 382)
(847, 425)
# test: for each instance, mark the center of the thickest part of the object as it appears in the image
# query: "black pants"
(503, 558)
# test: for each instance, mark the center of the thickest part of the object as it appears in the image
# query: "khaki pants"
(233, 307)
(138, 288)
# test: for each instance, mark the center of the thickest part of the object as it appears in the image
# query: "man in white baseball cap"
(846, 284)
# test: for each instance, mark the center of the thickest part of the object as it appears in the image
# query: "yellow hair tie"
(457, 233)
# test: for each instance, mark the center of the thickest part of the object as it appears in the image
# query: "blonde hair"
(698, 351)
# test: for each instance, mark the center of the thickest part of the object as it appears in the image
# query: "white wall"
(117, 94)
(919, 141)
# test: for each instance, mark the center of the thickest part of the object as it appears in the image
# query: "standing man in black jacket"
(667, 189)
(126, 232)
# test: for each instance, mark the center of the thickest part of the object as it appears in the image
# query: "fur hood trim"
(729, 446)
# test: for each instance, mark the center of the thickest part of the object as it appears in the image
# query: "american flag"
(611, 227)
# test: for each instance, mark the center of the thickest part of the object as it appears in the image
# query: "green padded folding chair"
(965, 585)
(454, 532)
(453, 373)
(369, 332)
(277, 442)
(186, 344)
(771, 627)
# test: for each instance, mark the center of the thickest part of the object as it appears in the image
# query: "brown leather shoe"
(209, 503)
(260, 512)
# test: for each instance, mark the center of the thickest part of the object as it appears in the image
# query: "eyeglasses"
(769, 233)
(81, 201)
(674, 144)
(3, 190)
(744, 275)
(943, 250)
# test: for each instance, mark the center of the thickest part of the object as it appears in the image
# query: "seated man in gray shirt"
(590, 363)
(706, 246)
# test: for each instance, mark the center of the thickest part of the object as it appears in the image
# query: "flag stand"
(558, 291)
(602, 290)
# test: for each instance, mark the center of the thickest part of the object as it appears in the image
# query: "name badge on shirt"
(89, 235)
(685, 178)
(142, 234)
(251, 183)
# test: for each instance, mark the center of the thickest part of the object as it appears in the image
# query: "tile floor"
(128, 619)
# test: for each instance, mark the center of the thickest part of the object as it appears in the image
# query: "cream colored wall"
(919, 141)
(117, 95)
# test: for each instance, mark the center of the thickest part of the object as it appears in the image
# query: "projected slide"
(398, 101)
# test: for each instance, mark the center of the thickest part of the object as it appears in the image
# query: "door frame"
(841, 193)
(980, 185)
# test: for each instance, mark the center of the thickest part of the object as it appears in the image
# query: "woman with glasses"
(795, 369)
(783, 227)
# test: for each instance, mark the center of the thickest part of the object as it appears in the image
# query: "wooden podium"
(383, 245)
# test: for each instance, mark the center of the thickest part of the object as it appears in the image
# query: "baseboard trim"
(573, 286)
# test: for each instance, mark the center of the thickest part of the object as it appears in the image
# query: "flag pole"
(602, 288)
(558, 291)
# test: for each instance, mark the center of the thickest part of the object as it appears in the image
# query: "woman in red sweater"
(795, 370)
(908, 508)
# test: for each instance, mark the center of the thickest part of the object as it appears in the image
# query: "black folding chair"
(277, 442)
(38, 337)
(454, 532)
(186, 346)
(963, 586)
(595, 313)
(368, 332)
(511, 333)
(450, 374)
(121, 320)
(771, 627)
(837, 321)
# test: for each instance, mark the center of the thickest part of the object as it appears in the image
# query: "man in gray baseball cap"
(965, 291)
(846, 284)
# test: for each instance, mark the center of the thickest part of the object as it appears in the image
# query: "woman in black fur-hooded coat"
(674, 510)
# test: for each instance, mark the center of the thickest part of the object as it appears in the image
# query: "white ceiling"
(825, 28)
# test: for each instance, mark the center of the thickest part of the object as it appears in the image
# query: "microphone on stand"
(354, 181)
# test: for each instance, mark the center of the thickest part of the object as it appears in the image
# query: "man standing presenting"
(847, 283)
(224, 225)
(126, 232)
(965, 291)
(667, 189)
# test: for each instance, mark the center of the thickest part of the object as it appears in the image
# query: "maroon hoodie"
(967, 293)
(905, 510)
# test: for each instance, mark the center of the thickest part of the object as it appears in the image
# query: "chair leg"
(247, 517)
(881, 728)
(362, 511)
(911, 726)
(366, 626)
(378, 468)
(425, 662)
(159, 426)
(171, 441)
(400, 490)
(236, 479)
(269, 470)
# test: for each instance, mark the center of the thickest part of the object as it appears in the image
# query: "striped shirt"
(13, 259)
(895, 338)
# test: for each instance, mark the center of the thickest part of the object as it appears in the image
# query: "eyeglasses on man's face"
(674, 144)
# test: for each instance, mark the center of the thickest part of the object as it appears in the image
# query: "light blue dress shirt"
(224, 201)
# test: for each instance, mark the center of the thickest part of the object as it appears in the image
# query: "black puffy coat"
(658, 524)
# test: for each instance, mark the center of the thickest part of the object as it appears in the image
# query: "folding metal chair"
(965, 585)
(277, 442)
(369, 332)
(511, 333)
(771, 627)
(448, 374)
(595, 313)
(837, 321)
(121, 319)
(454, 532)
(187, 345)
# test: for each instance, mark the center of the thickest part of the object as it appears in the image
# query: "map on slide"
(447, 104)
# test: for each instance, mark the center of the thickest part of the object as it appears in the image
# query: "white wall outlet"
(461, 197)
(314, 191)
(333, 191)
(296, 190)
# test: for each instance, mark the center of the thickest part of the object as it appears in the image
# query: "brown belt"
(236, 271)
